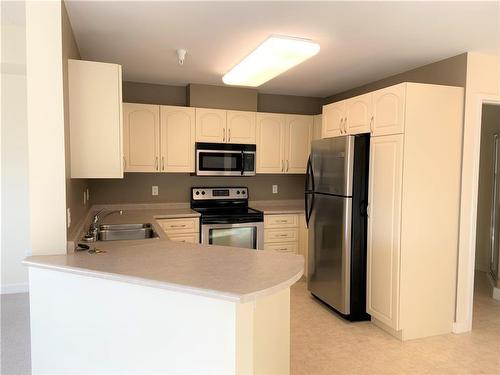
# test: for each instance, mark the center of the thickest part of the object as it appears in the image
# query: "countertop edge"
(230, 297)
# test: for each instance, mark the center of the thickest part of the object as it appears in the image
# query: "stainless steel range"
(226, 219)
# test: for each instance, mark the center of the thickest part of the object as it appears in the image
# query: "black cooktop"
(229, 215)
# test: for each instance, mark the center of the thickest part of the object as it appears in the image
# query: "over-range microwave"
(224, 159)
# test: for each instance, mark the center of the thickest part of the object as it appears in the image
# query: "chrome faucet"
(94, 225)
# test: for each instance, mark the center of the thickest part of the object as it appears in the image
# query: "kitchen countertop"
(227, 273)
(279, 207)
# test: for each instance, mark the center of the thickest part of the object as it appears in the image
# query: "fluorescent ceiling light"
(274, 56)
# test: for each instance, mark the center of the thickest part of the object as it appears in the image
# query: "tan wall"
(302, 105)
(174, 188)
(223, 97)
(148, 93)
(490, 124)
(451, 71)
(74, 187)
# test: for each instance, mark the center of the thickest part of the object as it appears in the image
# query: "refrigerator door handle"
(308, 210)
(309, 175)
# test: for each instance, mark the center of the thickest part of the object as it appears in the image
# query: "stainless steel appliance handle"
(309, 177)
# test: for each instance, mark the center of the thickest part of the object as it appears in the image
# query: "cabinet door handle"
(223, 135)
(163, 163)
(282, 165)
(342, 125)
(156, 163)
(124, 162)
(229, 135)
(287, 165)
(371, 124)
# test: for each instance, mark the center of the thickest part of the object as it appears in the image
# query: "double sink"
(117, 232)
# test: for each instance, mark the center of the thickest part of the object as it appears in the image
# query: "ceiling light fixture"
(274, 56)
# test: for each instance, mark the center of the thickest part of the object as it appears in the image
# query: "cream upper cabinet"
(384, 197)
(358, 114)
(389, 110)
(333, 119)
(210, 125)
(141, 137)
(177, 139)
(240, 127)
(95, 119)
(298, 133)
(270, 143)
(317, 120)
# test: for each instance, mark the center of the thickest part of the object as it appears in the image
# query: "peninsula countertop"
(227, 273)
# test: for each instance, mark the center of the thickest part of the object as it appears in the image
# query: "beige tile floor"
(322, 343)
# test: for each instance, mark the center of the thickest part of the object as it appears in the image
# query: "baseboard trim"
(495, 292)
(15, 288)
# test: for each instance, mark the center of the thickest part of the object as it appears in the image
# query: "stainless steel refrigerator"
(336, 196)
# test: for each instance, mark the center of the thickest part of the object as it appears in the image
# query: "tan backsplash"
(175, 187)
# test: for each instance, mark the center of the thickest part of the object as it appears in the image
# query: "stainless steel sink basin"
(116, 232)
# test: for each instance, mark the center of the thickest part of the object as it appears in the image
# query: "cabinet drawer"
(281, 235)
(192, 238)
(174, 226)
(288, 247)
(281, 221)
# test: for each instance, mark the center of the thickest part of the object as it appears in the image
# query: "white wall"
(490, 125)
(14, 150)
(483, 85)
(44, 77)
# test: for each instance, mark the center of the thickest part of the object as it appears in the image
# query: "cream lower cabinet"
(281, 233)
(414, 195)
(283, 142)
(95, 119)
(181, 229)
(158, 138)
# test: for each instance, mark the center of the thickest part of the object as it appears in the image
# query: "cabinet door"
(316, 134)
(177, 139)
(384, 223)
(210, 125)
(333, 119)
(270, 143)
(95, 119)
(389, 110)
(240, 127)
(141, 124)
(358, 112)
(297, 142)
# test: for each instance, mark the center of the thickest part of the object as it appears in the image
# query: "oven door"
(225, 163)
(245, 235)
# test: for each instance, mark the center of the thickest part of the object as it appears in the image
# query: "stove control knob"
(243, 192)
(197, 192)
(203, 192)
(237, 192)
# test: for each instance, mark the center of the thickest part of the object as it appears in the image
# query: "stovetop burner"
(224, 205)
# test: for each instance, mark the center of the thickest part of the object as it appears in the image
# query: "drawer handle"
(178, 226)
(282, 221)
(282, 235)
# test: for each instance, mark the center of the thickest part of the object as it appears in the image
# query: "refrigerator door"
(332, 165)
(330, 251)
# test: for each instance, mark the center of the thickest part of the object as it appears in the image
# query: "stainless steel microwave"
(224, 159)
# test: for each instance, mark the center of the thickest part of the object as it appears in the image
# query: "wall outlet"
(154, 190)
(68, 217)
(275, 189)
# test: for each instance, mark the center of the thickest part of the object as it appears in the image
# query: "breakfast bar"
(162, 307)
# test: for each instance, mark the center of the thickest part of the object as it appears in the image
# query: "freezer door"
(332, 165)
(330, 251)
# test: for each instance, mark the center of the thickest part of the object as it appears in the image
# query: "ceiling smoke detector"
(181, 55)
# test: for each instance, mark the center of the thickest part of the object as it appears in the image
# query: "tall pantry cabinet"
(414, 187)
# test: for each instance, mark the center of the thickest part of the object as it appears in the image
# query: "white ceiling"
(360, 41)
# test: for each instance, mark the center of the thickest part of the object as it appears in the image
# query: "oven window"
(219, 161)
(238, 237)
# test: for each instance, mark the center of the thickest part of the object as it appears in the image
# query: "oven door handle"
(242, 163)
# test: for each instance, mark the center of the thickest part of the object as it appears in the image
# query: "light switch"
(275, 189)
(154, 190)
